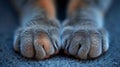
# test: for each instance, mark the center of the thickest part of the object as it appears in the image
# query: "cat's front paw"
(85, 44)
(34, 42)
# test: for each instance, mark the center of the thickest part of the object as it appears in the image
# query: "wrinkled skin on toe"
(84, 43)
(37, 41)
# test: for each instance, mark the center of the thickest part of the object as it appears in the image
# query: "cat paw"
(85, 44)
(35, 42)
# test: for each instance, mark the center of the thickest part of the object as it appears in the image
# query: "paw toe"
(16, 43)
(40, 52)
(96, 44)
(43, 41)
(26, 44)
(85, 45)
(105, 40)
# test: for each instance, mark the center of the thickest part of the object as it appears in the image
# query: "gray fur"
(83, 34)
(35, 22)
(84, 29)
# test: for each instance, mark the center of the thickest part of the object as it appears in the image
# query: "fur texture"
(38, 37)
(82, 34)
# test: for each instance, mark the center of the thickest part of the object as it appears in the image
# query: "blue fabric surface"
(8, 58)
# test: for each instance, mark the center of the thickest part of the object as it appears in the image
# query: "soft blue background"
(8, 58)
